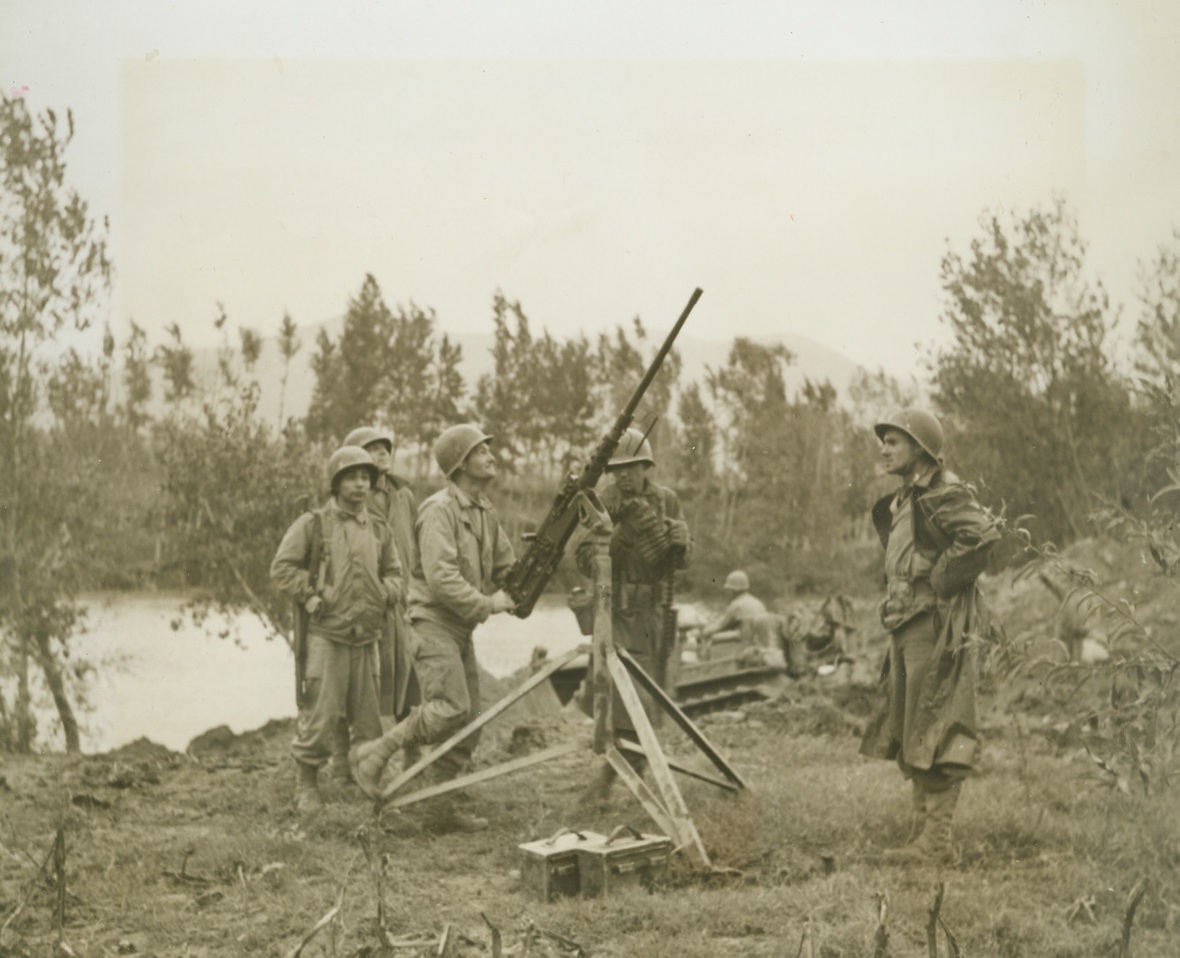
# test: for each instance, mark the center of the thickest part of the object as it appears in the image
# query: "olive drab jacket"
(742, 607)
(953, 536)
(363, 575)
(642, 561)
(463, 556)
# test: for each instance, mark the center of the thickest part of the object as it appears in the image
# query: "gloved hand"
(678, 532)
(502, 602)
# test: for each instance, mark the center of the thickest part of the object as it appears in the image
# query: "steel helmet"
(919, 425)
(455, 444)
(366, 435)
(345, 458)
(737, 581)
(632, 447)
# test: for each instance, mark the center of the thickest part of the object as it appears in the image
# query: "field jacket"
(743, 606)
(393, 500)
(463, 556)
(954, 536)
(363, 577)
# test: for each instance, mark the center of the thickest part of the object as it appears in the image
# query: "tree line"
(130, 466)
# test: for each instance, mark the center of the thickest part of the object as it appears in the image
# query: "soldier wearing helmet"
(742, 605)
(357, 580)
(394, 502)
(463, 555)
(937, 540)
(649, 543)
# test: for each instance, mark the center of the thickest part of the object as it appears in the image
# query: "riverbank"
(154, 673)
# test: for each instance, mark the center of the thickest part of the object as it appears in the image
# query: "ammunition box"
(621, 864)
(549, 867)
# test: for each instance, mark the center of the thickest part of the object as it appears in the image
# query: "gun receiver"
(527, 578)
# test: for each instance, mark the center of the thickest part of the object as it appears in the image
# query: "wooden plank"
(651, 804)
(678, 716)
(624, 746)
(486, 774)
(685, 833)
(541, 675)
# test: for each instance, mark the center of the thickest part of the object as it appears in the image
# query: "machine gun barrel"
(527, 578)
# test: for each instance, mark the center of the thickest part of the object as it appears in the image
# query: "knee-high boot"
(940, 811)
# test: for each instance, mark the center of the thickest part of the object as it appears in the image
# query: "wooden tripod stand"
(613, 671)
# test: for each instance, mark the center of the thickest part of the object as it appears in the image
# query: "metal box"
(623, 863)
(549, 867)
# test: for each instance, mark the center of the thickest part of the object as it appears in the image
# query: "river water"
(170, 685)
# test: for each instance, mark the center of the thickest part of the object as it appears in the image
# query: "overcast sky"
(805, 164)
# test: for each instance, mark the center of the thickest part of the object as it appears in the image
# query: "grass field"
(146, 852)
(164, 855)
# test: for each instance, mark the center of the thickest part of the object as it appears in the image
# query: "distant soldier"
(358, 579)
(393, 500)
(650, 542)
(463, 555)
(742, 605)
(937, 539)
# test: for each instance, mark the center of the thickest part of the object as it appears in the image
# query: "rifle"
(317, 566)
(527, 578)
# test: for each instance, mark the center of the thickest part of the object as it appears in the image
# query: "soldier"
(347, 601)
(742, 605)
(650, 542)
(937, 539)
(393, 500)
(463, 555)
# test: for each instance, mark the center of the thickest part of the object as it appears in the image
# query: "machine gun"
(527, 578)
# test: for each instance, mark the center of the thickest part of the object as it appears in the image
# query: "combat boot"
(940, 811)
(307, 791)
(368, 759)
(338, 767)
(933, 846)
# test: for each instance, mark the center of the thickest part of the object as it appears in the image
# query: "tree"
(622, 359)
(386, 369)
(504, 398)
(137, 378)
(749, 393)
(229, 490)
(1027, 379)
(349, 372)
(289, 346)
(54, 275)
(1157, 334)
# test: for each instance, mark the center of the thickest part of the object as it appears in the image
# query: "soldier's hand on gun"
(502, 602)
(313, 605)
(677, 532)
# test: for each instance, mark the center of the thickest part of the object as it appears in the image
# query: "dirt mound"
(223, 744)
(143, 750)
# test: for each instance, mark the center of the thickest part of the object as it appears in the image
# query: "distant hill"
(812, 360)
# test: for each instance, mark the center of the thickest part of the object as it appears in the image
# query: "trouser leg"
(327, 693)
(448, 678)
